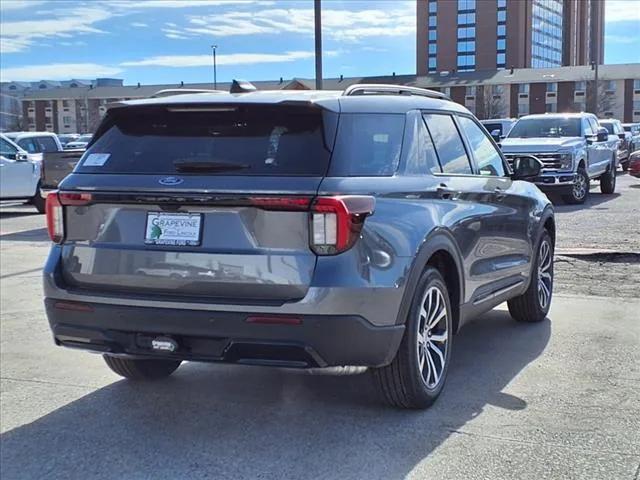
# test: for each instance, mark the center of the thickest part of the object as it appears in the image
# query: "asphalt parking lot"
(557, 400)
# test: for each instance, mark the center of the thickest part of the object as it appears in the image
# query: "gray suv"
(294, 229)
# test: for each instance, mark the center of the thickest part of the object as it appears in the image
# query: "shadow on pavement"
(224, 421)
(595, 198)
(34, 235)
(22, 212)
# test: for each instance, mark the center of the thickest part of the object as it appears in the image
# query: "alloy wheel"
(580, 186)
(433, 336)
(545, 279)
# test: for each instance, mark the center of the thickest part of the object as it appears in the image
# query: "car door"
(506, 254)
(489, 239)
(16, 174)
(598, 153)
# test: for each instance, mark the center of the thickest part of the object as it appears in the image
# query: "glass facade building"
(466, 57)
(546, 44)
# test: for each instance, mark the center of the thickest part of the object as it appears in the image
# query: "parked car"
(498, 127)
(19, 175)
(623, 139)
(57, 165)
(67, 137)
(634, 130)
(362, 227)
(634, 164)
(81, 142)
(574, 149)
(36, 143)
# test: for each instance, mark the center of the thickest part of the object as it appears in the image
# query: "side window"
(422, 157)
(28, 145)
(586, 127)
(451, 153)
(487, 157)
(46, 144)
(7, 150)
(594, 125)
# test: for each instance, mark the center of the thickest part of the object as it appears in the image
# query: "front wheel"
(533, 305)
(417, 374)
(141, 369)
(580, 189)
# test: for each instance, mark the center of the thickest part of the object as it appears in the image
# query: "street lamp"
(215, 78)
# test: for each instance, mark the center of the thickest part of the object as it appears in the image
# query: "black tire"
(608, 180)
(402, 383)
(141, 369)
(38, 201)
(529, 307)
(578, 196)
(625, 165)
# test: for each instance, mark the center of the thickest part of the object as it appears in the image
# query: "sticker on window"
(381, 138)
(96, 159)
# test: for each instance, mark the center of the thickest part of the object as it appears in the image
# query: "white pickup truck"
(19, 175)
(574, 149)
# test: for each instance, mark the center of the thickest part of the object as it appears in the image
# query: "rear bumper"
(223, 336)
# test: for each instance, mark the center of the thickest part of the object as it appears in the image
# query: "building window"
(432, 48)
(502, 3)
(502, 30)
(546, 46)
(433, 35)
(552, 87)
(636, 105)
(502, 15)
(432, 64)
(501, 44)
(501, 60)
(466, 19)
(67, 120)
(65, 103)
(497, 89)
(433, 6)
(470, 91)
(466, 62)
(447, 91)
(580, 86)
(551, 107)
(523, 88)
(466, 47)
(610, 86)
(466, 32)
(523, 108)
(466, 5)
(432, 20)
(636, 84)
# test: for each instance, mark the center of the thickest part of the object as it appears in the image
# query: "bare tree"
(600, 99)
(491, 103)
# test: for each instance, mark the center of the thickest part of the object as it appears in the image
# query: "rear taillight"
(55, 218)
(56, 201)
(336, 222)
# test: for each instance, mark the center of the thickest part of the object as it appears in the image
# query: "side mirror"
(22, 157)
(621, 136)
(526, 167)
(602, 135)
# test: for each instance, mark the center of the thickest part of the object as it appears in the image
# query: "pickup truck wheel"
(141, 369)
(608, 180)
(533, 305)
(415, 377)
(625, 165)
(580, 190)
(38, 202)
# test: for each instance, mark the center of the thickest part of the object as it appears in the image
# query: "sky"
(168, 41)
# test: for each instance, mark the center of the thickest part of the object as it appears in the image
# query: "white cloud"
(57, 71)
(18, 4)
(621, 11)
(346, 25)
(20, 35)
(181, 61)
(128, 4)
(139, 24)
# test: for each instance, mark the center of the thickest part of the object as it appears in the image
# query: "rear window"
(231, 140)
(367, 144)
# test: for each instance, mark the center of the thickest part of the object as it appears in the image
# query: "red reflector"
(274, 320)
(69, 198)
(73, 306)
(281, 203)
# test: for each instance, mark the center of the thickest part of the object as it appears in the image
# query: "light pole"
(318, 38)
(215, 73)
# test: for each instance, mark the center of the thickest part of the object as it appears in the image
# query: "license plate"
(181, 229)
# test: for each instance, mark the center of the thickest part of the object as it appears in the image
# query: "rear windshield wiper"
(195, 166)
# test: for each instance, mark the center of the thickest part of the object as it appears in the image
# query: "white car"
(80, 142)
(19, 175)
(35, 143)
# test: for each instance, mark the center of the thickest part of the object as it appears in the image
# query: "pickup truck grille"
(551, 161)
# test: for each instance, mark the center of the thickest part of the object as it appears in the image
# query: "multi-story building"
(467, 35)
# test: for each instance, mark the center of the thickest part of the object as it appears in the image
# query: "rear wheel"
(580, 190)
(533, 305)
(38, 201)
(608, 180)
(141, 369)
(416, 376)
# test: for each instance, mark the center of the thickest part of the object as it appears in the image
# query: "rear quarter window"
(367, 144)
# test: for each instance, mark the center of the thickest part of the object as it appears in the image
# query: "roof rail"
(182, 91)
(389, 89)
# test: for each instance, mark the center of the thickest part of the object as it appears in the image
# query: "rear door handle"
(447, 193)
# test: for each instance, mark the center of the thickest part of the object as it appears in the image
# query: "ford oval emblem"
(171, 181)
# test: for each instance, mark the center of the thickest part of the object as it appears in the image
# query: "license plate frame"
(173, 229)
